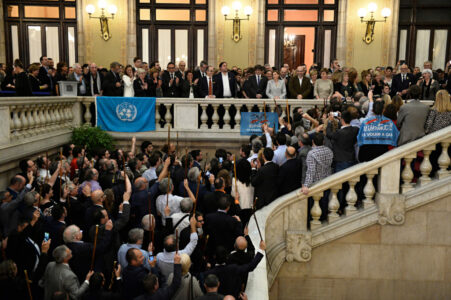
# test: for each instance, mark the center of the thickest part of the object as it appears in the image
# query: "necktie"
(172, 76)
(258, 80)
(210, 87)
(403, 77)
(94, 83)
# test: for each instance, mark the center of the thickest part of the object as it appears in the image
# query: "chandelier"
(288, 41)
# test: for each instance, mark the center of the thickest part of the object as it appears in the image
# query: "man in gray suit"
(412, 117)
(58, 276)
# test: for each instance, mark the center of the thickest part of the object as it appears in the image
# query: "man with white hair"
(77, 76)
(82, 251)
(59, 277)
(135, 240)
(181, 219)
(94, 81)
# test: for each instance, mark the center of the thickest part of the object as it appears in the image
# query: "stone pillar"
(341, 33)
(212, 46)
(132, 47)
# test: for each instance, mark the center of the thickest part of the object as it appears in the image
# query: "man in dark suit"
(257, 84)
(300, 86)
(81, 251)
(401, 82)
(209, 202)
(134, 274)
(222, 228)
(264, 179)
(343, 141)
(56, 225)
(230, 276)
(171, 81)
(93, 81)
(290, 172)
(112, 83)
(208, 86)
(44, 76)
(202, 72)
(225, 82)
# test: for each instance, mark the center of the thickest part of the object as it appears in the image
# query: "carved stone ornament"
(392, 209)
(299, 246)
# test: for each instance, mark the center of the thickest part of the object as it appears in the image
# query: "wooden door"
(295, 56)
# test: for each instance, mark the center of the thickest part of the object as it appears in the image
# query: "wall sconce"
(371, 22)
(236, 6)
(104, 28)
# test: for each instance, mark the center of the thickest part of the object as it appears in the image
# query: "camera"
(335, 113)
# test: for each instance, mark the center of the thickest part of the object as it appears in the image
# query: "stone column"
(341, 33)
(2, 36)
(132, 49)
(212, 47)
(5, 125)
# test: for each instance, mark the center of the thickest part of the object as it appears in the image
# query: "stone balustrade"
(385, 186)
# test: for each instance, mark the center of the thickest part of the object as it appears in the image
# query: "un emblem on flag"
(126, 112)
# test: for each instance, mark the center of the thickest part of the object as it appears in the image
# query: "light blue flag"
(251, 122)
(125, 114)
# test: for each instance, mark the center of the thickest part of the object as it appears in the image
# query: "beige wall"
(361, 55)
(412, 261)
(242, 53)
(91, 46)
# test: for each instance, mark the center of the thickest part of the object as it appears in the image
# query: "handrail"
(258, 282)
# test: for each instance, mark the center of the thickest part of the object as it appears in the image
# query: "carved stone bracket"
(392, 208)
(299, 246)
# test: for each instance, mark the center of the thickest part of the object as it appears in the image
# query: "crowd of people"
(205, 81)
(163, 224)
(169, 223)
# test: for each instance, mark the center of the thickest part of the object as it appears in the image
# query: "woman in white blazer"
(128, 78)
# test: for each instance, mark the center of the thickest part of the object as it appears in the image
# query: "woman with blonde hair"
(323, 88)
(440, 114)
(189, 287)
(365, 82)
(387, 99)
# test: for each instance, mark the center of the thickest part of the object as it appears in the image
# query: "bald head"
(229, 297)
(240, 243)
(140, 183)
(97, 196)
(290, 152)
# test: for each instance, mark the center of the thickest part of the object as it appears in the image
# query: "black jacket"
(22, 84)
(44, 78)
(168, 291)
(230, 275)
(343, 141)
(398, 85)
(109, 85)
(203, 89)
(174, 89)
(222, 230)
(252, 89)
(265, 183)
(290, 176)
(219, 93)
(88, 79)
(133, 281)
(138, 86)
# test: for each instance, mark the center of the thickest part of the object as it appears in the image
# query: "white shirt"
(300, 81)
(246, 193)
(128, 86)
(173, 203)
(225, 85)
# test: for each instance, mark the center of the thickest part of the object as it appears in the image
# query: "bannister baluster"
(32, 120)
(53, 124)
(42, 117)
(443, 161)
(425, 168)
(407, 174)
(238, 117)
(369, 191)
(215, 117)
(334, 204)
(13, 122)
(316, 212)
(203, 116)
(157, 116)
(24, 121)
(351, 198)
(226, 117)
(48, 119)
(87, 114)
(167, 115)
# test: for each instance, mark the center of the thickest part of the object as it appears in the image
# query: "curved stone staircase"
(284, 226)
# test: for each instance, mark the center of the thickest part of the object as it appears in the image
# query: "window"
(172, 31)
(36, 28)
(424, 32)
(300, 32)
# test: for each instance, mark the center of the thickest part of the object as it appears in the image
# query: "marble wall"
(412, 261)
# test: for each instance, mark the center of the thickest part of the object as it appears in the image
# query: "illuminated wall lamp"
(236, 6)
(104, 28)
(371, 22)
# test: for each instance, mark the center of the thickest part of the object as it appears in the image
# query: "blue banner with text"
(251, 122)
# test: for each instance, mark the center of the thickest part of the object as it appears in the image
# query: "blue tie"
(258, 80)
